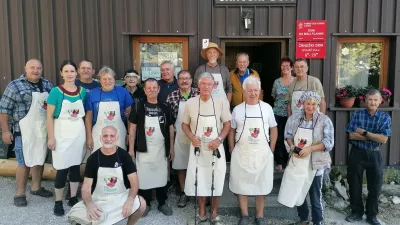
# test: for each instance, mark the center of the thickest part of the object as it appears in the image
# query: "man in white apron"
(301, 83)
(252, 161)
(177, 99)
(110, 187)
(310, 136)
(206, 122)
(151, 137)
(24, 100)
(107, 105)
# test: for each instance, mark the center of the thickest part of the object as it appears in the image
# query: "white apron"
(34, 131)
(252, 161)
(182, 142)
(109, 114)
(208, 131)
(152, 166)
(218, 88)
(298, 175)
(70, 135)
(110, 194)
(296, 104)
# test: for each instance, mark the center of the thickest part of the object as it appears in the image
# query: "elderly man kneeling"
(309, 134)
(110, 187)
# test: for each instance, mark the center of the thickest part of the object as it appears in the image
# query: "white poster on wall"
(154, 72)
(168, 56)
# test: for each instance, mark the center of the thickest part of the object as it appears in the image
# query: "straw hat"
(211, 45)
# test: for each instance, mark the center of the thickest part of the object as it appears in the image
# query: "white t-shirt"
(238, 116)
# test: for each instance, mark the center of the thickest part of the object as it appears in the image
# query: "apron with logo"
(70, 135)
(207, 129)
(298, 175)
(296, 95)
(182, 142)
(252, 162)
(110, 193)
(34, 131)
(152, 166)
(109, 114)
(218, 87)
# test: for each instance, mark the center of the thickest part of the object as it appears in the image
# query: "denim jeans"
(317, 210)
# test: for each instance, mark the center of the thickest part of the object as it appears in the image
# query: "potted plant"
(346, 95)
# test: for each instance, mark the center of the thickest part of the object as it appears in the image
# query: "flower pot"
(347, 102)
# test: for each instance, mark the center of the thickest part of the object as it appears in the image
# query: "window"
(362, 62)
(150, 52)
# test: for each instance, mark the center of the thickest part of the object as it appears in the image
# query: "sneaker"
(216, 221)
(72, 201)
(42, 193)
(244, 220)
(353, 217)
(182, 200)
(199, 220)
(373, 220)
(20, 201)
(301, 222)
(146, 211)
(165, 209)
(259, 220)
(58, 208)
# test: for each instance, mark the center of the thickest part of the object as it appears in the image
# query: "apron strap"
(198, 115)
(245, 117)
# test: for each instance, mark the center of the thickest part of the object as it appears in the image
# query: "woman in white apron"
(66, 132)
(252, 160)
(310, 137)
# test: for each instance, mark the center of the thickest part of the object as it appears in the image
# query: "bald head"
(33, 70)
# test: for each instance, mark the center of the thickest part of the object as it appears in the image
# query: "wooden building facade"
(117, 32)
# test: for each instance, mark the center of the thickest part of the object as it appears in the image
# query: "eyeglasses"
(253, 91)
(130, 77)
(300, 67)
(285, 66)
(185, 79)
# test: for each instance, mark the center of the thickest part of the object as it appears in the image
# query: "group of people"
(130, 138)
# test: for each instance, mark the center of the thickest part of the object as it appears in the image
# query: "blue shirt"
(119, 94)
(87, 86)
(380, 123)
(245, 75)
(17, 98)
(58, 94)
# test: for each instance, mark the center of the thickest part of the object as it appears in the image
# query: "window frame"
(160, 39)
(383, 78)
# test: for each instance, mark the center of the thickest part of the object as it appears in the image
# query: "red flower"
(344, 92)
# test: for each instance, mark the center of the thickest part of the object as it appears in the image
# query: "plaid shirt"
(380, 123)
(174, 98)
(17, 99)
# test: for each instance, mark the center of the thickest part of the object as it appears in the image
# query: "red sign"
(311, 50)
(311, 30)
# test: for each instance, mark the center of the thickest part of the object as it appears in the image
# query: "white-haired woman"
(310, 136)
(252, 140)
(106, 105)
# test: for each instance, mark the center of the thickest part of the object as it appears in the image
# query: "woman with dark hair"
(132, 84)
(279, 91)
(66, 133)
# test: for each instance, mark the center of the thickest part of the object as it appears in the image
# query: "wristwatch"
(220, 140)
(365, 133)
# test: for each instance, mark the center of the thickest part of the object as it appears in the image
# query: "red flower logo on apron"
(110, 115)
(73, 113)
(44, 105)
(110, 182)
(254, 132)
(298, 105)
(216, 83)
(302, 143)
(207, 131)
(150, 131)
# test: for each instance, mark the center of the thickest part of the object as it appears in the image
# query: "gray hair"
(242, 54)
(251, 80)
(301, 60)
(372, 91)
(110, 127)
(205, 75)
(171, 64)
(105, 70)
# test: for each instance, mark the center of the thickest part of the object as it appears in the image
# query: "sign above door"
(253, 2)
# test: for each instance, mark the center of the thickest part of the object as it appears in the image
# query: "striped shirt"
(380, 123)
(17, 98)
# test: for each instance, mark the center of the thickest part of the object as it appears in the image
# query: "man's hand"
(127, 208)
(89, 143)
(305, 151)
(360, 131)
(171, 154)
(214, 144)
(51, 144)
(94, 212)
(196, 141)
(7, 137)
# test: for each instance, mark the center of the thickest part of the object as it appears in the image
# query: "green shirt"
(57, 95)
(186, 96)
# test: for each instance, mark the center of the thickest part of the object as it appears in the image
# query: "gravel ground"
(40, 211)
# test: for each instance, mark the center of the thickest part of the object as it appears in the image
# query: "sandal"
(20, 201)
(42, 193)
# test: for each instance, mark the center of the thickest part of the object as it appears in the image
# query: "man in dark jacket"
(168, 82)
(151, 137)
